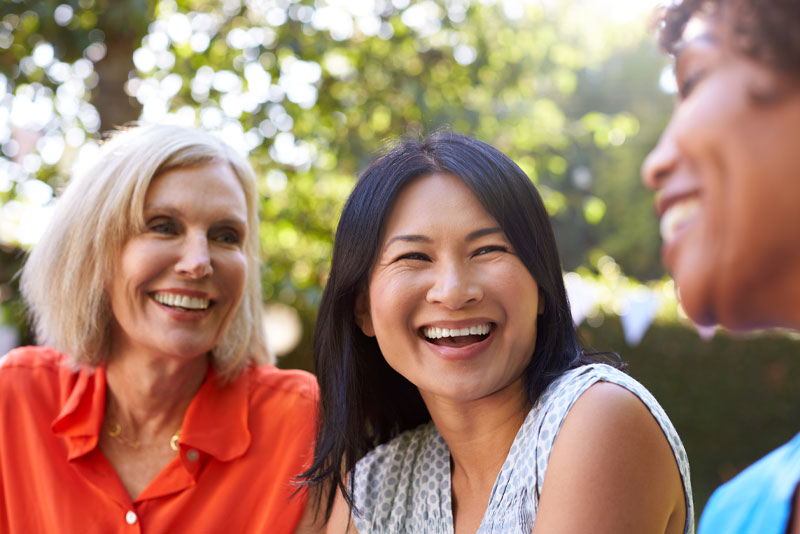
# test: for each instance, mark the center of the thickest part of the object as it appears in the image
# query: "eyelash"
(229, 237)
(413, 256)
(225, 235)
(490, 248)
(419, 256)
(162, 227)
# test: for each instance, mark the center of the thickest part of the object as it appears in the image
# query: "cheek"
(393, 301)
(142, 259)
(384, 308)
(134, 266)
(234, 272)
(520, 294)
(515, 285)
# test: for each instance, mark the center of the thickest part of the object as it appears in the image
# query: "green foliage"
(312, 91)
(732, 400)
(514, 82)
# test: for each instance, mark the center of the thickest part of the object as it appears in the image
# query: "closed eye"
(490, 248)
(419, 256)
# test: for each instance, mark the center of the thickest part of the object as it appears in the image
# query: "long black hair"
(363, 401)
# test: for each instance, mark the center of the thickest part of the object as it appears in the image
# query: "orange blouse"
(241, 444)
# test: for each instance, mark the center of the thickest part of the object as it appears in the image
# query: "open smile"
(457, 337)
(182, 302)
(677, 217)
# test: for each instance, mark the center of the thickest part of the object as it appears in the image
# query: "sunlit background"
(56, 124)
(49, 120)
(575, 91)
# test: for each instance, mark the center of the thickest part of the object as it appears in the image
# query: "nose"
(195, 258)
(660, 164)
(454, 286)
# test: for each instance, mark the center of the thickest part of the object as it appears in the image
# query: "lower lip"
(185, 316)
(465, 353)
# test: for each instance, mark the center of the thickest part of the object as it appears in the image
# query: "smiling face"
(726, 174)
(452, 306)
(177, 284)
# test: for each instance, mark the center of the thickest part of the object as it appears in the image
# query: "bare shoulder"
(340, 521)
(312, 520)
(613, 460)
(612, 404)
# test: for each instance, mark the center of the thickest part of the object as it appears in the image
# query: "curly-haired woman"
(726, 174)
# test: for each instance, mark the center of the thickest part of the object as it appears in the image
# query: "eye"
(688, 84)
(488, 249)
(228, 236)
(163, 226)
(416, 256)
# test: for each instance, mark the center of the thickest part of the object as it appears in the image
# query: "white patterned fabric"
(403, 486)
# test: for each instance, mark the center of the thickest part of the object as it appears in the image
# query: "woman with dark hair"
(449, 364)
(726, 174)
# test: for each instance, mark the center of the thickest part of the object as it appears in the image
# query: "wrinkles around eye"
(415, 256)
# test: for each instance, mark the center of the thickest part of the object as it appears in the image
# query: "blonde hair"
(64, 279)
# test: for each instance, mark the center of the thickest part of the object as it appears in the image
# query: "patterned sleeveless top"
(403, 486)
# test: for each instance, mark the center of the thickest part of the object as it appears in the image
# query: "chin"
(734, 314)
(695, 300)
(187, 351)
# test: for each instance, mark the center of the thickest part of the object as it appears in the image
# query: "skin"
(445, 262)
(731, 145)
(732, 142)
(433, 269)
(193, 243)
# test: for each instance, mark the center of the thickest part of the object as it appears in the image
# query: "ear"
(541, 302)
(362, 313)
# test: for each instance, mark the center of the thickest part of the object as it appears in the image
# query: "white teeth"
(181, 301)
(677, 216)
(434, 332)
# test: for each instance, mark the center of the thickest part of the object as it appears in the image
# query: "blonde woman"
(149, 408)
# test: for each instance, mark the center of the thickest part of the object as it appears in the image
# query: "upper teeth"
(434, 332)
(171, 299)
(677, 216)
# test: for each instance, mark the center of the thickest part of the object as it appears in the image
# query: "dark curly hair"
(767, 31)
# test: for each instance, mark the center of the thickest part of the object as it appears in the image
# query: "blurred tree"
(312, 89)
(613, 215)
(47, 34)
(63, 68)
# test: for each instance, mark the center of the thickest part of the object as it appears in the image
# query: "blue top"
(759, 499)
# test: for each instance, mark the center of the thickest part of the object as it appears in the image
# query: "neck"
(758, 307)
(149, 397)
(479, 433)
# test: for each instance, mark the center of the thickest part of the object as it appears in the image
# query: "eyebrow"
(158, 211)
(417, 238)
(703, 38)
